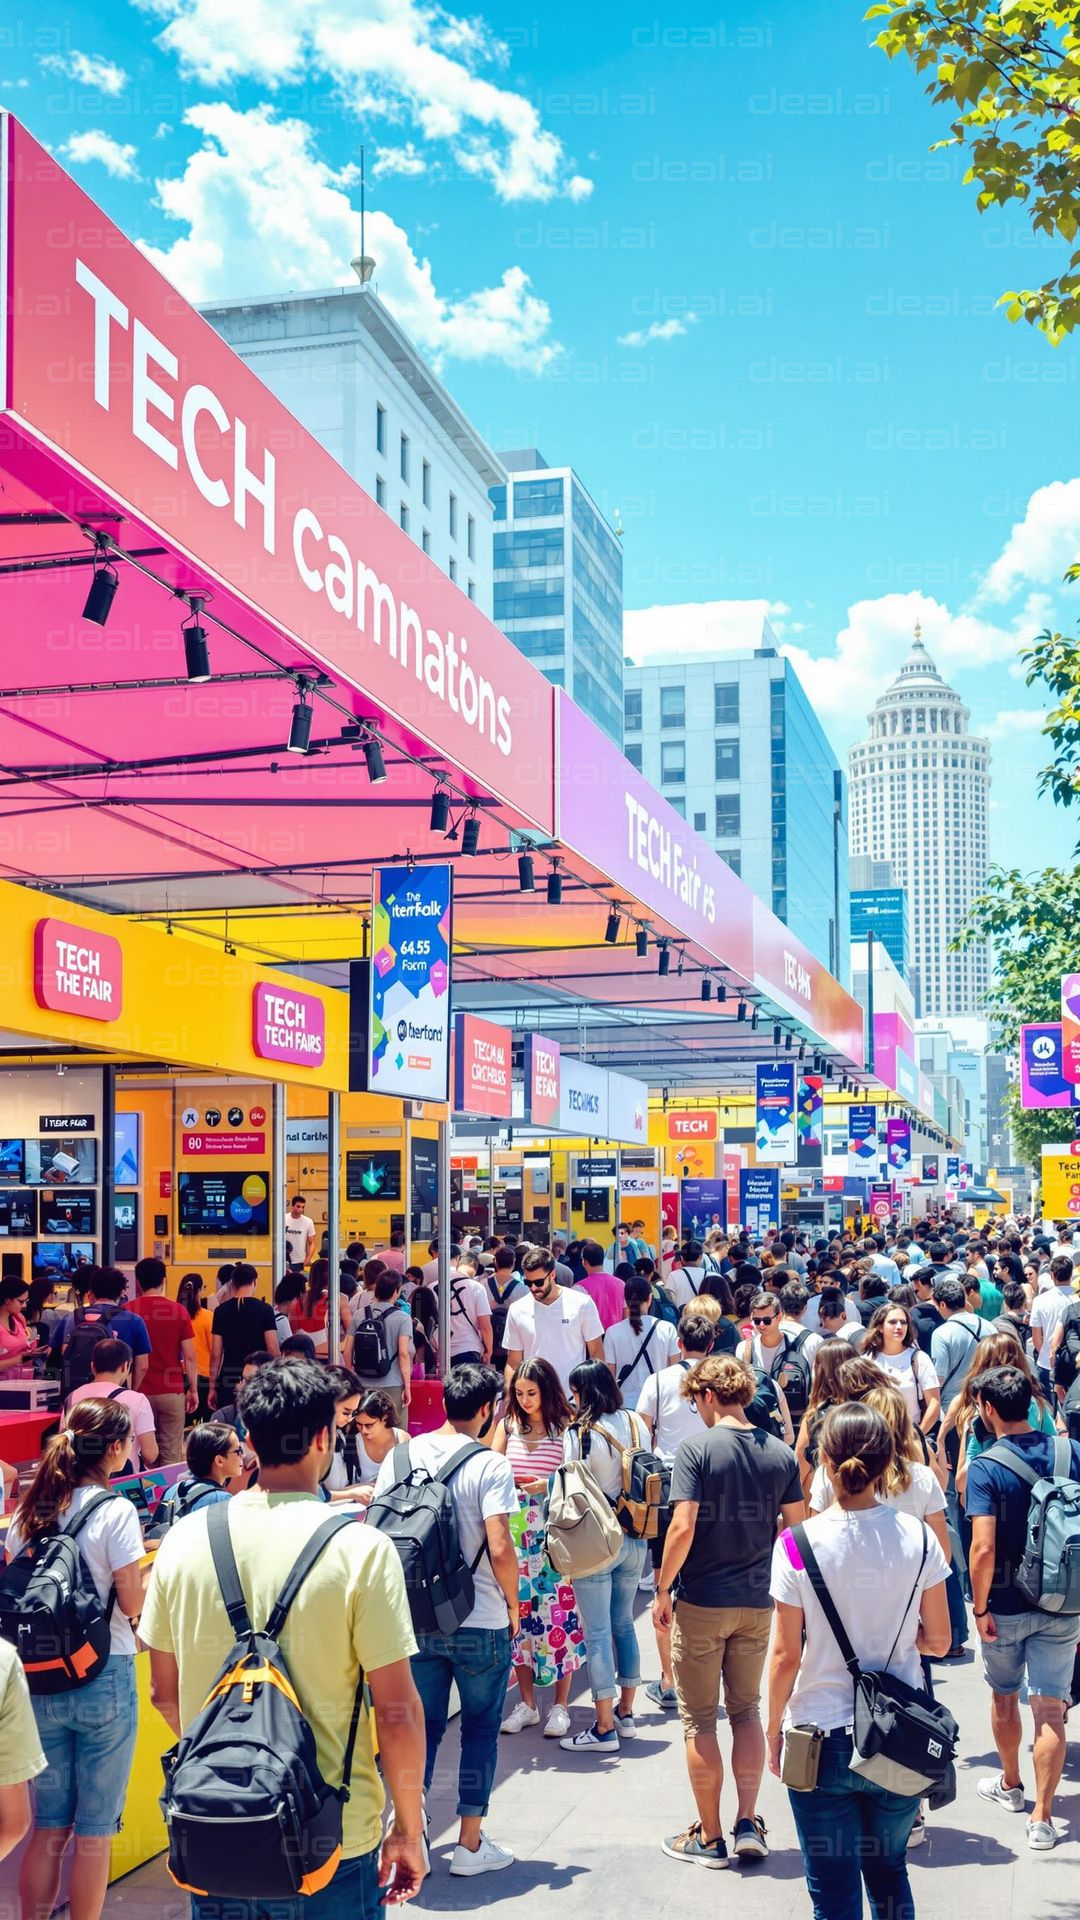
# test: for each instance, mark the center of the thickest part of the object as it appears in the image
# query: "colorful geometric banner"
(898, 1144)
(810, 1120)
(409, 1013)
(759, 1199)
(864, 1149)
(775, 1133)
(1042, 1076)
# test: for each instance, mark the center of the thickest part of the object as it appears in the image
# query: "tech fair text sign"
(601, 1105)
(78, 972)
(112, 368)
(408, 1037)
(483, 1075)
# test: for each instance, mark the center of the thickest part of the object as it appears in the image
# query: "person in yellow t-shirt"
(21, 1756)
(351, 1613)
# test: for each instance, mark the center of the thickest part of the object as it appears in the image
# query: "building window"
(726, 702)
(425, 540)
(380, 429)
(700, 820)
(425, 482)
(453, 516)
(470, 537)
(380, 491)
(471, 589)
(452, 569)
(673, 706)
(727, 759)
(633, 754)
(403, 516)
(497, 496)
(673, 762)
(632, 708)
(733, 858)
(728, 819)
(537, 499)
(405, 458)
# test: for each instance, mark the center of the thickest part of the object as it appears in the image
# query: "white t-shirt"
(768, 1359)
(1047, 1309)
(910, 1370)
(111, 1538)
(139, 1409)
(605, 1462)
(812, 1316)
(480, 1489)
(924, 1495)
(557, 1333)
(793, 1328)
(470, 1304)
(870, 1562)
(298, 1231)
(622, 1344)
(678, 1287)
(671, 1418)
(338, 1477)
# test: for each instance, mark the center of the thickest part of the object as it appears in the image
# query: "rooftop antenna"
(617, 527)
(363, 266)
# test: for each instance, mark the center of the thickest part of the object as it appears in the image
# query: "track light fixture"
(440, 811)
(526, 875)
(196, 650)
(682, 962)
(554, 887)
(740, 1011)
(611, 931)
(787, 1043)
(102, 590)
(721, 990)
(802, 1050)
(776, 1036)
(828, 1070)
(470, 834)
(706, 987)
(302, 717)
(641, 942)
(376, 765)
(663, 965)
(754, 1019)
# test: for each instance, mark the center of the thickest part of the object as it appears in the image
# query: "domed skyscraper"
(919, 793)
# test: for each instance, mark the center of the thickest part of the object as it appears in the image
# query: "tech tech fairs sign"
(112, 368)
(288, 1026)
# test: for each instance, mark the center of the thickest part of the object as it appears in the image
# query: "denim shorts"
(88, 1738)
(1042, 1643)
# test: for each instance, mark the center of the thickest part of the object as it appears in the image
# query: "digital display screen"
(18, 1213)
(224, 1202)
(12, 1160)
(63, 1212)
(126, 1173)
(61, 1162)
(373, 1176)
(126, 1226)
(59, 1259)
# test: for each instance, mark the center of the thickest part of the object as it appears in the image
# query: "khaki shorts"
(710, 1645)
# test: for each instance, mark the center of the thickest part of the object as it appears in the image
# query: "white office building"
(919, 796)
(339, 361)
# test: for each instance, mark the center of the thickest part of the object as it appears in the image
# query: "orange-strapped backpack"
(248, 1812)
(50, 1609)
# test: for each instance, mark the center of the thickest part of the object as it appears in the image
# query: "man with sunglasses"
(557, 1324)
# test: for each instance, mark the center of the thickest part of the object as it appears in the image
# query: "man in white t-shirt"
(794, 1301)
(1048, 1308)
(470, 1317)
(812, 1317)
(683, 1283)
(299, 1233)
(476, 1655)
(557, 1324)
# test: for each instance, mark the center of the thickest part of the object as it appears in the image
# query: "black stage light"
(101, 594)
(470, 834)
(611, 931)
(376, 765)
(554, 888)
(641, 943)
(196, 653)
(526, 876)
(300, 730)
(440, 811)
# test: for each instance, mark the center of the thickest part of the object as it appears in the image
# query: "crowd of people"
(774, 1438)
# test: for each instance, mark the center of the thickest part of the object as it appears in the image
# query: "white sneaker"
(994, 1788)
(557, 1723)
(647, 1581)
(522, 1716)
(488, 1858)
(591, 1740)
(625, 1725)
(1041, 1836)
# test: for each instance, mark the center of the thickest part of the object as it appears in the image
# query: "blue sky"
(710, 262)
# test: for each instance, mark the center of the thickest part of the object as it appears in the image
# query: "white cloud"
(10, 86)
(701, 628)
(118, 158)
(1023, 720)
(264, 213)
(87, 70)
(399, 59)
(1040, 546)
(163, 127)
(406, 160)
(657, 330)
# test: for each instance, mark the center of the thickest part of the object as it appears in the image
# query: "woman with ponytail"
(885, 1573)
(88, 1734)
(637, 1345)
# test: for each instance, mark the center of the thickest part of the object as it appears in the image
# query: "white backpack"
(583, 1534)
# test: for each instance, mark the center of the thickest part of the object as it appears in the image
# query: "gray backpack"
(1049, 1573)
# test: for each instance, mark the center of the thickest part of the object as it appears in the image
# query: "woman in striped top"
(550, 1646)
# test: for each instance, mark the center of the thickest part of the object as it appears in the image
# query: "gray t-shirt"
(952, 1350)
(397, 1323)
(740, 1478)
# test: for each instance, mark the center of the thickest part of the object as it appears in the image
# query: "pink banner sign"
(288, 1026)
(78, 972)
(790, 975)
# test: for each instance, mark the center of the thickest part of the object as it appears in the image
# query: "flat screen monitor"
(126, 1173)
(12, 1160)
(72, 1214)
(61, 1162)
(18, 1213)
(126, 1227)
(224, 1202)
(59, 1260)
(373, 1175)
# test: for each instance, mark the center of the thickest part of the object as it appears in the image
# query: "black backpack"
(51, 1611)
(248, 1813)
(88, 1326)
(793, 1375)
(417, 1513)
(764, 1409)
(373, 1355)
(1067, 1360)
(500, 1307)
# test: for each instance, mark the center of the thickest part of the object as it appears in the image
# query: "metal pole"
(108, 1166)
(491, 1184)
(279, 1199)
(333, 1226)
(444, 1245)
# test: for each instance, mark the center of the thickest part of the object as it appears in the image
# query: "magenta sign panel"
(288, 1026)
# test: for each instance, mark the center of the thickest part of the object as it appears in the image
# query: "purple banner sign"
(1042, 1080)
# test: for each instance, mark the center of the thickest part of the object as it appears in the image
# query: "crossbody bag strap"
(641, 1354)
(456, 1295)
(817, 1581)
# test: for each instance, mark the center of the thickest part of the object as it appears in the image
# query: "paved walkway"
(587, 1831)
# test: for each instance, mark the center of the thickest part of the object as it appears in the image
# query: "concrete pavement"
(587, 1831)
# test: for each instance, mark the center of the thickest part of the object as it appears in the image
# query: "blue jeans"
(353, 1894)
(478, 1659)
(851, 1831)
(605, 1604)
(88, 1739)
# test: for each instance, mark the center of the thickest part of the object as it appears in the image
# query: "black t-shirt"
(242, 1326)
(926, 1316)
(740, 1478)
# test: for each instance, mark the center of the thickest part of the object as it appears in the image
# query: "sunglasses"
(763, 1320)
(538, 1286)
